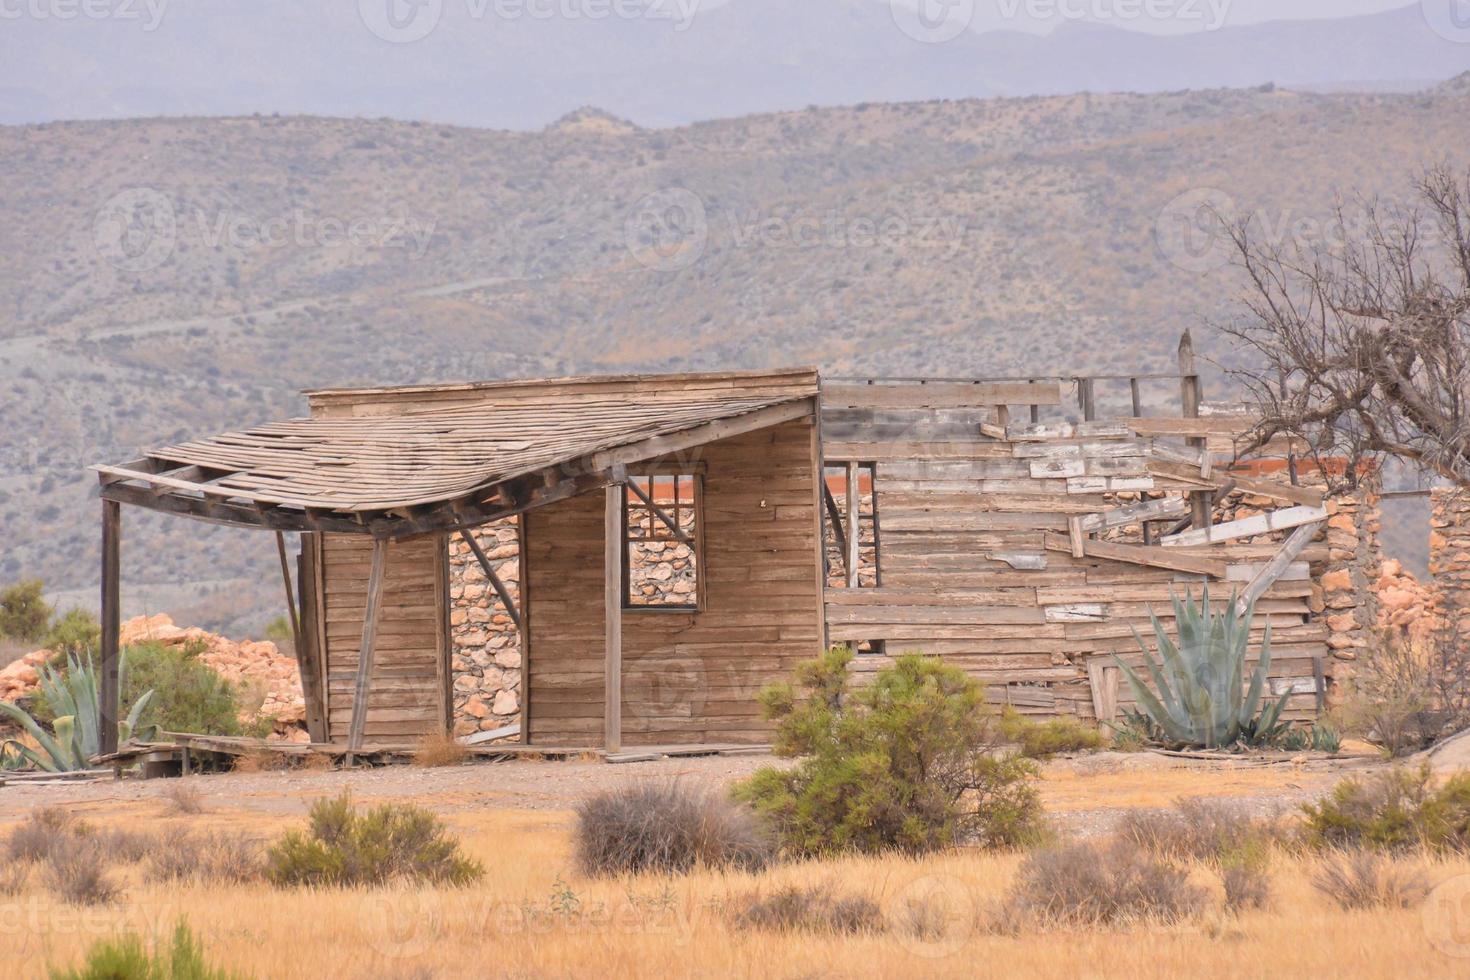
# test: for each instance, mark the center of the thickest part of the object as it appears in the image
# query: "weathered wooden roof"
(365, 467)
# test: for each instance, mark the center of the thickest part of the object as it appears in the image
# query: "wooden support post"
(1087, 398)
(109, 695)
(1035, 414)
(308, 652)
(1137, 398)
(834, 516)
(505, 598)
(363, 690)
(854, 525)
(612, 688)
(1202, 504)
(296, 639)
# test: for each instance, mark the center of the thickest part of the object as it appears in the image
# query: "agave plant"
(76, 734)
(1200, 700)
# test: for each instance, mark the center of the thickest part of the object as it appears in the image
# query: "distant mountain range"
(479, 68)
(171, 277)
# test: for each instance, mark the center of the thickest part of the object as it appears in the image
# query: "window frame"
(695, 474)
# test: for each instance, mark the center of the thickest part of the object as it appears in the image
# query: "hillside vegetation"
(247, 258)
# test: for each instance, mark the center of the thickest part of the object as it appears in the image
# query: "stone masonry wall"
(1346, 586)
(1449, 555)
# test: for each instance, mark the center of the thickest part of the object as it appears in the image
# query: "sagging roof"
(407, 460)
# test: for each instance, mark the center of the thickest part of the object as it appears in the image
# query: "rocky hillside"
(178, 276)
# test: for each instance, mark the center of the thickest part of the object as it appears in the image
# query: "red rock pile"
(264, 674)
(1404, 602)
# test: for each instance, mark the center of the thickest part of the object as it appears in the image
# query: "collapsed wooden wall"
(982, 562)
(688, 677)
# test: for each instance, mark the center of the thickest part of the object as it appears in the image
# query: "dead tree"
(1363, 350)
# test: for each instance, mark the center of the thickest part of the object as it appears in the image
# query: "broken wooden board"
(1150, 510)
(1249, 527)
(1141, 555)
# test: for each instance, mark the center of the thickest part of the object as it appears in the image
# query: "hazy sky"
(990, 13)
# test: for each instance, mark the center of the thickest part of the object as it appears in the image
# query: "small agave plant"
(1201, 700)
(76, 734)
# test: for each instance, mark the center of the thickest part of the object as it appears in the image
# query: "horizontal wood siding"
(978, 568)
(688, 678)
(407, 693)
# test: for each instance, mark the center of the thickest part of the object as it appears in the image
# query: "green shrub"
(668, 828)
(74, 633)
(24, 614)
(188, 695)
(1397, 810)
(343, 847)
(904, 763)
(128, 959)
(1044, 739)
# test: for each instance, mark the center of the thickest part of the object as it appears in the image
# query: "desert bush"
(184, 797)
(344, 847)
(1247, 886)
(1087, 884)
(188, 695)
(1201, 830)
(45, 830)
(79, 873)
(24, 613)
(1044, 739)
(440, 750)
(1396, 810)
(666, 827)
(214, 858)
(128, 959)
(905, 763)
(1367, 880)
(1409, 690)
(810, 909)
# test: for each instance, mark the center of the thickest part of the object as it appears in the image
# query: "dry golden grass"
(437, 751)
(534, 916)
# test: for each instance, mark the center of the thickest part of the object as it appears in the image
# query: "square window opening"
(662, 547)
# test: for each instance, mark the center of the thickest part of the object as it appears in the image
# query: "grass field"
(534, 916)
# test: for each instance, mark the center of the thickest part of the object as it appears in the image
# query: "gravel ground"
(1084, 795)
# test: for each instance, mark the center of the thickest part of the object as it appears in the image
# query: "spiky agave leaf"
(32, 728)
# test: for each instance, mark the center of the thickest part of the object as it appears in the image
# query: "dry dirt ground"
(534, 915)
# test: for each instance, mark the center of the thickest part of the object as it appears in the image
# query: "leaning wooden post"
(1202, 505)
(612, 695)
(109, 695)
(362, 692)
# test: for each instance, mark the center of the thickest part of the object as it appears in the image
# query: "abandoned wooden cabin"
(623, 562)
